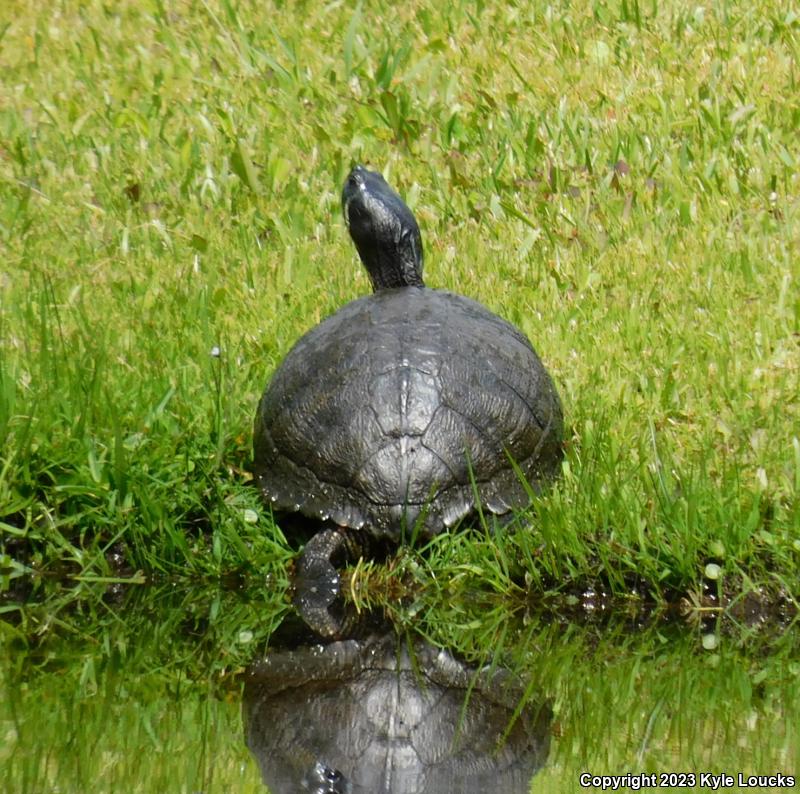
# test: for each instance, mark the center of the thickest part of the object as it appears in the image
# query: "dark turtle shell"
(407, 403)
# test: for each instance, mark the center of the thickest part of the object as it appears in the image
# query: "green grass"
(620, 179)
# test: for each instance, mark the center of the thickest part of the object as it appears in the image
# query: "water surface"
(143, 691)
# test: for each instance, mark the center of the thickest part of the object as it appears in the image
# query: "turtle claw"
(317, 567)
(317, 583)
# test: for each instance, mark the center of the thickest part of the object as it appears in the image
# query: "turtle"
(408, 410)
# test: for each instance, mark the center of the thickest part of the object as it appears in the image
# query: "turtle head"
(384, 230)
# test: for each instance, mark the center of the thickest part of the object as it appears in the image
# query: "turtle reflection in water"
(390, 715)
(393, 414)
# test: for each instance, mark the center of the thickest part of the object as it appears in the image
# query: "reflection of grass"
(126, 737)
(143, 695)
(620, 183)
(135, 695)
(640, 695)
(669, 706)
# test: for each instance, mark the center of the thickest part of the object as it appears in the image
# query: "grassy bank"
(620, 181)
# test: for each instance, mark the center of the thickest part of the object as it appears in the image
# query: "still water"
(169, 690)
